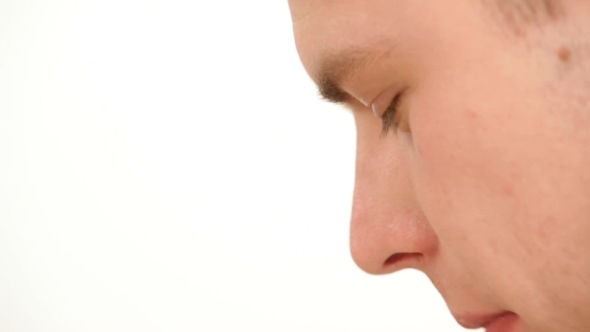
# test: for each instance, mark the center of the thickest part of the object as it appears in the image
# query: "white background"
(168, 166)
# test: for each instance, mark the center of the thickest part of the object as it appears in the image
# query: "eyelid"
(383, 101)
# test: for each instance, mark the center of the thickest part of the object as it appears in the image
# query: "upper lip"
(475, 321)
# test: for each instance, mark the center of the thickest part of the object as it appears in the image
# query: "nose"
(389, 232)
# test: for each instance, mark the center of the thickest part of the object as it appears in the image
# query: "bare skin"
(483, 180)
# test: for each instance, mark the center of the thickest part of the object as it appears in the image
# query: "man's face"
(483, 179)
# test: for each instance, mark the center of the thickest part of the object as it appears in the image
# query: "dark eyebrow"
(336, 67)
(329, 88)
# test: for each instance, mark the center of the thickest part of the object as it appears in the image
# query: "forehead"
(324, 28)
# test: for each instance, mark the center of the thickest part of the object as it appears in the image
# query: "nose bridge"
(388, 229)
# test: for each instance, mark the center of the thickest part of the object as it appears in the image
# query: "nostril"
(396, 259)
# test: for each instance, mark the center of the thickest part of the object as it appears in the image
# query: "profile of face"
(473, 147)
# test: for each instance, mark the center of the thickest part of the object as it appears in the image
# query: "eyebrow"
(342, 65)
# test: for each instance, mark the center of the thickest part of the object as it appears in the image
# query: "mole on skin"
(564, 54)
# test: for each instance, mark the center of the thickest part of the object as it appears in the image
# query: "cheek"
(467, 184)
(499, 200)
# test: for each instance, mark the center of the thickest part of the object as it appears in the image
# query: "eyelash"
(389, 118)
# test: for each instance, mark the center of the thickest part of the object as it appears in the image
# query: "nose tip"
(400, 259)
(373, 262)
(385, 239)
(392, 264)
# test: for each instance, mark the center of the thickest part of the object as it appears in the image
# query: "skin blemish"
(565, 54)
(508, 190)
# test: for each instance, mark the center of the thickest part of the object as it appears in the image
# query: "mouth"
(503, 322)
(506, 322)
